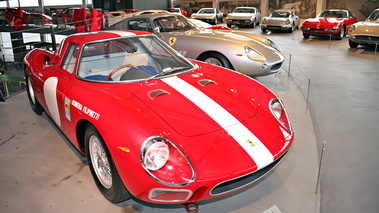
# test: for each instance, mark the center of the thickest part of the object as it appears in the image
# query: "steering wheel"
(118, 68)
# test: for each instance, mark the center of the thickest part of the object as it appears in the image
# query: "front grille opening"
(243, 181)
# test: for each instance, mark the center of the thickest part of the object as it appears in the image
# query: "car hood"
(323, 21)
(367, 28)
(240, 15)
(203, 15)
(189, 118)
(240, 38)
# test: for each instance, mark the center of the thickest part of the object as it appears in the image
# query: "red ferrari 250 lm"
(152, 124)
(334, 23)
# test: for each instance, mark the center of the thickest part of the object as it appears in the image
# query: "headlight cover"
(166, 163)
(279, 112)
(274, 45)
(254, 55)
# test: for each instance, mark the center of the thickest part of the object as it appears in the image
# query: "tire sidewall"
(224, 61)
(36, 107)
(113, 194)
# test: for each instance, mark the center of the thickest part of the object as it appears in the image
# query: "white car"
(210, 15)
(281, 20)
(244, 16)
(365, 32)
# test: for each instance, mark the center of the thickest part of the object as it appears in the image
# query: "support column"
(264, 8)
(321, 5)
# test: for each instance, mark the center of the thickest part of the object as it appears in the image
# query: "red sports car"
(329, 22)
(153, 124)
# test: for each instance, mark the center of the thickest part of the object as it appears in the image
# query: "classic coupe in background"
(365, 32)
(247, 53)
(210, 15)
(244, 16)
(152, 124)
(332, 22)
(281, 20)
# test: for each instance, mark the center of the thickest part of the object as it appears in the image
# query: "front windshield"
(336, 14)
(173, 23)
(206, 11)
(136, 58)
(374, 16)
(280, 14)
(244, 10)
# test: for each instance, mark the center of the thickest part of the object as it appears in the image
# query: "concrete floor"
(40, 173)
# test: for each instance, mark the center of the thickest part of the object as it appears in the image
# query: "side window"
(69, 59)
(140, 25)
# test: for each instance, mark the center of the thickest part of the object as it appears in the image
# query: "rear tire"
(35, 105)
(103, 170)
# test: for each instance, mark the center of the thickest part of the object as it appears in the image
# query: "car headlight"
(165, 162)
(352, 28)
(156, 155)
(287, 22)
(264, 20)
(274, 45)
(335, 27)
(254, 55)
(277, 109)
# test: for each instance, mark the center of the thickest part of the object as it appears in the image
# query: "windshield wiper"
(165, 72)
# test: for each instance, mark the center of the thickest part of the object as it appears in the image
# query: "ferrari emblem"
(172, 41)
(251, 143)
(67, 108)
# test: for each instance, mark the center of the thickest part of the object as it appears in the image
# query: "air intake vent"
(155, 93)
(205, 82)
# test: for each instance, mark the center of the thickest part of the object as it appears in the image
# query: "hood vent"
(155, 93)
(205, 82)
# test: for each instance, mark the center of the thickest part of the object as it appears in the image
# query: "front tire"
(103, 170)
(34, 104)
(217, 59)
(353, 44)
(341, 33)
(306, 35)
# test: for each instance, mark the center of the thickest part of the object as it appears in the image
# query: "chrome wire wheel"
(213, 61)
(31, 92)
(100, 162)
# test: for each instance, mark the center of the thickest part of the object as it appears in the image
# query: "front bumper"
(239, 21)
(276, 26)
(364, 39)
(317, 31)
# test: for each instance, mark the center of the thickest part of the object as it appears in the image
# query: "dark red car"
(333, 22)
(27, 18)
(66, 16)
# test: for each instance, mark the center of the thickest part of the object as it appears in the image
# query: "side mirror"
(157, 30)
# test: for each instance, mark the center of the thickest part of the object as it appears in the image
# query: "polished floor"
(330, 92)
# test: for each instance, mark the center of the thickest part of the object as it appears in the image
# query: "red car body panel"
(328, 25)
(125, 115)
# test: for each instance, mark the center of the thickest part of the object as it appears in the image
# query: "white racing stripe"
(258, 152)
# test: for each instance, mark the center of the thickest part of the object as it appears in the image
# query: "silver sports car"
(247, 53)
(211, 15)
(365, 32)
(244, 16)
(281, 20)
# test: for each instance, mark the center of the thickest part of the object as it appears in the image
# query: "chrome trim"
(155, 178)
(285, 111)
(170, 201)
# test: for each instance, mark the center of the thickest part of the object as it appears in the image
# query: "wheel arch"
(81, 127)
(203, 54)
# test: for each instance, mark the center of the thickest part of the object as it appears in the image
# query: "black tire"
(229, 25)
(263, 29)
(306, 35)
(290, 30)
(217, 59)
(110, 185)
(222, 19)
(353, 44)
(215, 22)
(253, 24)
(35, 105)
(341, 33)
(60, 21)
